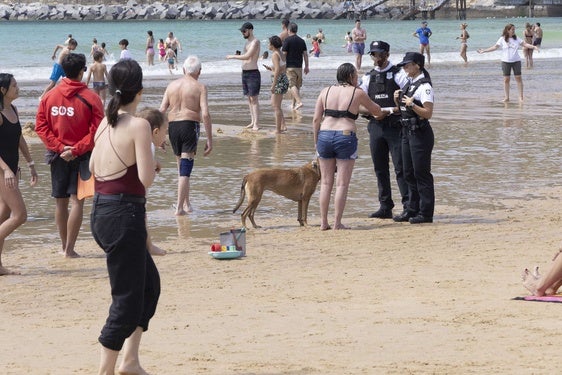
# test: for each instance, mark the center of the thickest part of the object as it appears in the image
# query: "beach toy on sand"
(232, 245)
(225, 254)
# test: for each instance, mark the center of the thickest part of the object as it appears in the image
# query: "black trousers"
(386, 138)
(119, 228)
(416, 153)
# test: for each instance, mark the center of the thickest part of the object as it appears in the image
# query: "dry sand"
(382, 298)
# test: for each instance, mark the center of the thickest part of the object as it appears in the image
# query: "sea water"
(27, 46)
(485, 152)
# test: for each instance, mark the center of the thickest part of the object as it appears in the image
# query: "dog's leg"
(244, 216)
(299, 218)
(305, 202)
(252, 210)
(254, 199)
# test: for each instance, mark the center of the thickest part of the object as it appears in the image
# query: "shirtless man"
(99, 71)
(185, 99)
(284, 29)
(251, 77)
(174, 43)
(537, 37)
(58, 72)
(358, 35)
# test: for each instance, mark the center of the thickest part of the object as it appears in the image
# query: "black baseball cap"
(379, 46)
(414, 57)
(247, 26)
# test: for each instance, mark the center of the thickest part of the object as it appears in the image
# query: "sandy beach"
(382, 298)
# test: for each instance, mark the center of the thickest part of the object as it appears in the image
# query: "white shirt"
(400, 77)
(125, 55)
(510, 49)
(424, 93)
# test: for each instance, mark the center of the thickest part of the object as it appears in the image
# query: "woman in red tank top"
(124, 168)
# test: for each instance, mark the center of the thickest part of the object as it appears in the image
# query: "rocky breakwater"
(132, 10)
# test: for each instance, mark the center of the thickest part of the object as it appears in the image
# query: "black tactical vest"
(409, 90)
(382, 87)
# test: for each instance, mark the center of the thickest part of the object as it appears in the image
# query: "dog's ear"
(315, 165)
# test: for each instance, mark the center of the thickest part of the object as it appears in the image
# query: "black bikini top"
(341, 114)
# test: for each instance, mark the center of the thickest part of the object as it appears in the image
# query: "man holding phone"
(251, 77)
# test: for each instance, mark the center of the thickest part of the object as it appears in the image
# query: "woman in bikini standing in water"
(337, 108)
(150, 48)
(464, 37)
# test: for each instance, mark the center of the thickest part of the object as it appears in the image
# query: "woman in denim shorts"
(337, 108)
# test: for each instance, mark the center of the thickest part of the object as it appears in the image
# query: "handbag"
(85, 180)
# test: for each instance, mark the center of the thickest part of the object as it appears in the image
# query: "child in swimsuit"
(161, 49)
(99, 71)
(171, 58)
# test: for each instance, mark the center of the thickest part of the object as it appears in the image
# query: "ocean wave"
(325, 62)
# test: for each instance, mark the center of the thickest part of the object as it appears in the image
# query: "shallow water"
(485, 152)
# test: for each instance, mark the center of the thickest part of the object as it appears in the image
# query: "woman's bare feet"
(325, 227)
(340, 227)
(70, 254)
(131, 371)
(531, 280)
(155, 250)
(183, 210)
(5, 271)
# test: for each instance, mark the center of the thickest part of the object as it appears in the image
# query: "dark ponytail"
(5, 81)
(125, 82)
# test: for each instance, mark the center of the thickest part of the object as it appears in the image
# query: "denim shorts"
(337, 144)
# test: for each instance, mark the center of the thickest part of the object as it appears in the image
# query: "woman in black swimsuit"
(12, 208)
(337, 108)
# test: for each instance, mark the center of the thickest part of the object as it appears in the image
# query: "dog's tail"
(242, 194)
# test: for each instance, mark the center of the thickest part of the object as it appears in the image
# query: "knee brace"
(186, 166)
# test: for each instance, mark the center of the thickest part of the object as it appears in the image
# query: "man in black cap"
(251, 77)
(385, 132)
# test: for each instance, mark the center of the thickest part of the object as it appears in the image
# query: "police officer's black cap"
(247, 26)
(379, 46)
(415, 57)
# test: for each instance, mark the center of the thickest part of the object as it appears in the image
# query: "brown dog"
(297, 184)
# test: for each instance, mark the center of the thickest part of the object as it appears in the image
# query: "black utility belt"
(414, 123)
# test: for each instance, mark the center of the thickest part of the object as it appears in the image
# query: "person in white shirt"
(125, 54)
(415, 103)
(510, 44)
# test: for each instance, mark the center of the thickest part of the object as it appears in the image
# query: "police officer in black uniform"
(385, 132)
(415, 102)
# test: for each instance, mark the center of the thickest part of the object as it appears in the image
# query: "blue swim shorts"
(251, 82)
(338, 144)
(358, 48)
(57, 72)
